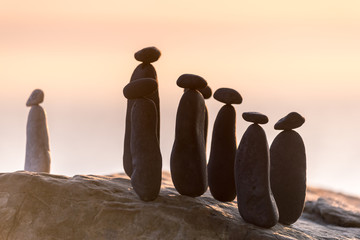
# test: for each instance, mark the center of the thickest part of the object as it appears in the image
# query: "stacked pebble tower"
(144, 144)
(256, 203)
(37, 157)
(223, 147)
(143, 70)
(288, 169)
(188, 158)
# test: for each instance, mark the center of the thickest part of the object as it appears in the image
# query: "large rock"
(44, 206)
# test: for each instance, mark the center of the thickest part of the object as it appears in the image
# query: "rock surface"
(44, 206)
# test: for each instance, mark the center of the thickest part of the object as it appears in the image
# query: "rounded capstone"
(291, 121)
(191, 81)
(140, 88)
(206, 92)
(228, 96)
(36, 97)
(148, 55)
(255, 117)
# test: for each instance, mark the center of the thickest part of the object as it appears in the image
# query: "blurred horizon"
(281, 56)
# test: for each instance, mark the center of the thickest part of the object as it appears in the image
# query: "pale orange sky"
(281, 56)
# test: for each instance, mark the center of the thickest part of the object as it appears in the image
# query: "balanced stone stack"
(144, 143)
(223, 147)
(256, 203)
(188, 158)
(288, 169)
(143, 70)
(37, 157)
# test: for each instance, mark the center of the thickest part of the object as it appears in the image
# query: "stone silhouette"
(223, 147)
(288, 169)
(144, 144)
(37, 157)
(143, 70)
(188, 158)
(256, 203)
(207, 93)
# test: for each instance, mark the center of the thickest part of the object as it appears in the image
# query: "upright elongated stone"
(144, 144)
(37, 157)
(223, 147)
(255, 200)
(143, 70)
(145, 151)
(222, 156)
(188, 159)
(288, 169)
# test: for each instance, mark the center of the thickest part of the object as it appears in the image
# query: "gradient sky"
(282, 56)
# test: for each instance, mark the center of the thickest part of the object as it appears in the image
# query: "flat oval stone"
(191, 81)
(36, 97)
(228, 96)
(291, 121)
(255, 117)
(206, 92)
(140, 88)
(148, 55)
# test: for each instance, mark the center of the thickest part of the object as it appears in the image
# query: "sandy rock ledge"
(45, 206)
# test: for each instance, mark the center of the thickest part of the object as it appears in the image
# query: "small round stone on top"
(255, 117)
(291, 121)
(206, 92)
(140, 88)
(191, 81)
(228, 96)
(148, 55)
(36, 97)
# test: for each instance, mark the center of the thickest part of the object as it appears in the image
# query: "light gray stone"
(45, 206)
(37, 158)
(36, 97)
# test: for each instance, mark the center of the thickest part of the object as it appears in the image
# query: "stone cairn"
(37, 157)
(188, 158)
(144, 143)
(143, 70)
(256, 203)
(288, 169)
(223, 147)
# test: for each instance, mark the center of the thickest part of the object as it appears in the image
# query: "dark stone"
(206, 92)
(291, 121)
(228, 96)
(255, 117)
(255, 200)
(148, 55)
(141, 71)
(145, 151)
(188, 158)
(206, 124)
(288, 175)
(140, 88)
(222, 156)
(191, 81)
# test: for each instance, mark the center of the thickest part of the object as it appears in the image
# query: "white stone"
(37, 157)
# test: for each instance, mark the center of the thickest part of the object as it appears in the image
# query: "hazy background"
(282, 56)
